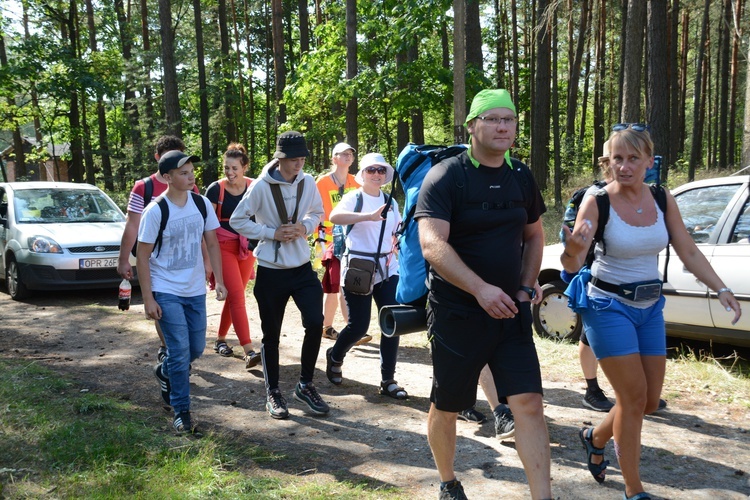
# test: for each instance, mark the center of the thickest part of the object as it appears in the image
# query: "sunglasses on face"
(372, 170)
(638, 127)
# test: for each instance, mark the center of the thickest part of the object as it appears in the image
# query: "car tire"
(552, 316)
(16, 289)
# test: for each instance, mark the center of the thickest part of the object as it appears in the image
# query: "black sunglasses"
(372, 170)
(638, 127)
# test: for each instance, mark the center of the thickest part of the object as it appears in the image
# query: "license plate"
(96, 263)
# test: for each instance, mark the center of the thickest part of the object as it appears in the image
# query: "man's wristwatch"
(529, 290)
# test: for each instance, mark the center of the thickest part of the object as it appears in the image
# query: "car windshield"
(64, 205)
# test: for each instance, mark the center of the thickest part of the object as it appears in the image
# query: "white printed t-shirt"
(178, 269)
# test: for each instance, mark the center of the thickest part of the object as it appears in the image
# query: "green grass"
(57, 441)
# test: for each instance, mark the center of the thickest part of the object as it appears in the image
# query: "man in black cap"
(173, 278)
(287, 208)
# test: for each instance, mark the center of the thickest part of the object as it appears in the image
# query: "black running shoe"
(276, 405)
(505, 425)
(472, 415)
(597, 401)
(309, 395)
(161, 355)
(452, 491)
(163, 383)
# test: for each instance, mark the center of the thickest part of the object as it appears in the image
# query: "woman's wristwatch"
(722, 290)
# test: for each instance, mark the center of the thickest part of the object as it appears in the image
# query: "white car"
(716, 212)
(58, 235)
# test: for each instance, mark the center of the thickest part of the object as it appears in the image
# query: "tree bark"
(575, 71)
(171, 91)
(736, 39)
(417, 116)
(657, 116)
(352, 107)
(129, 106)
(18, 152)
(723, 89)
(600, 84)
(148, 60)
(746, 121)
(100, 111)
(207, 177)
(697, 135)
(540, 121)
(278, 58)
(459, 71)
(633, 62)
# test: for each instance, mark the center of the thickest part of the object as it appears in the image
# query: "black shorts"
(584, 338)
(464, 340)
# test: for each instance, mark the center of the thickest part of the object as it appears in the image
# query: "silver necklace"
(639, 210)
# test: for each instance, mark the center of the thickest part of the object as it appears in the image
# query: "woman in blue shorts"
(620, 300)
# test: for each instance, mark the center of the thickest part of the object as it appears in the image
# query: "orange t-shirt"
(329, 192)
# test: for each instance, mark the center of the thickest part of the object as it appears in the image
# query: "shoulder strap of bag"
(278, 200)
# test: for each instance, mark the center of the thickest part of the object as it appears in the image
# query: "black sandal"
(336, 378)
(221, 347)
(392, 389)
(597, 470)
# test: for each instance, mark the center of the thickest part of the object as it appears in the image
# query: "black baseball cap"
(175, 159)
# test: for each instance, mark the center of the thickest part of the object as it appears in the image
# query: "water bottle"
(125, 290)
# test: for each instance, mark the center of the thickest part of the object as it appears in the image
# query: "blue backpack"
(411, 167)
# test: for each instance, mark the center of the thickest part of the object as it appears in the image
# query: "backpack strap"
(660, 195)
(220, 201)
(148, 190)
(357, 208)
(278, 200)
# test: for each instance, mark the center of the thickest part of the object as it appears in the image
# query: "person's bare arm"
(214, 256)
(150, 306)
(433, 237)
(533, 247)
(694, 260)
(129, 237)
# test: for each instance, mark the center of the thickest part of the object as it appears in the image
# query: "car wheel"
(16, 288)
(552, 316)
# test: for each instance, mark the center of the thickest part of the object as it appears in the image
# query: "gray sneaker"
(309, 395)
(276, 405)
(452, 491)
(505, 426)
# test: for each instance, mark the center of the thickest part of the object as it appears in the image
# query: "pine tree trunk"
(171, 91)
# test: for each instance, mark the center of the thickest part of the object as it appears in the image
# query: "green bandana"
(489, 99)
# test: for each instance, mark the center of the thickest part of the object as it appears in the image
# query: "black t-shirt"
(488, 209)
(227, 207)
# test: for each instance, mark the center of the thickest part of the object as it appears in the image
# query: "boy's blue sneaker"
(163, 382)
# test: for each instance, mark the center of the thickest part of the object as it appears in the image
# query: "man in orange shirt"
(332, 187)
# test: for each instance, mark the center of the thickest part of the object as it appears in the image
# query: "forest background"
(110, 77)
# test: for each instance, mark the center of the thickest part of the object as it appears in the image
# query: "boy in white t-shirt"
(173, 280)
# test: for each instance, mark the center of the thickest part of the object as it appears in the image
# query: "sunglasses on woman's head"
(638, 127)
(372, 170)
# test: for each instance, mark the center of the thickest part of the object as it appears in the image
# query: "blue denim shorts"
(616, 329)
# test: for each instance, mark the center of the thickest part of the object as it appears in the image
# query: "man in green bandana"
(481, 232)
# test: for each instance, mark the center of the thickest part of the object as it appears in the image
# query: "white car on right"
(716, 213)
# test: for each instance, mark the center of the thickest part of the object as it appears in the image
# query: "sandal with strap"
(638, 496)
(597, 470)
(221, 347)
(336, 377)
(392, 389)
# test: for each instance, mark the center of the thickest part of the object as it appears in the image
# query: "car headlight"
(40, 244)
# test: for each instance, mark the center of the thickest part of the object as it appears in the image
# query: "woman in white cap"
(368, 215)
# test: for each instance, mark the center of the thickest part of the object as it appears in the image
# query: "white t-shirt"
(178, 269)
(364, 235)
